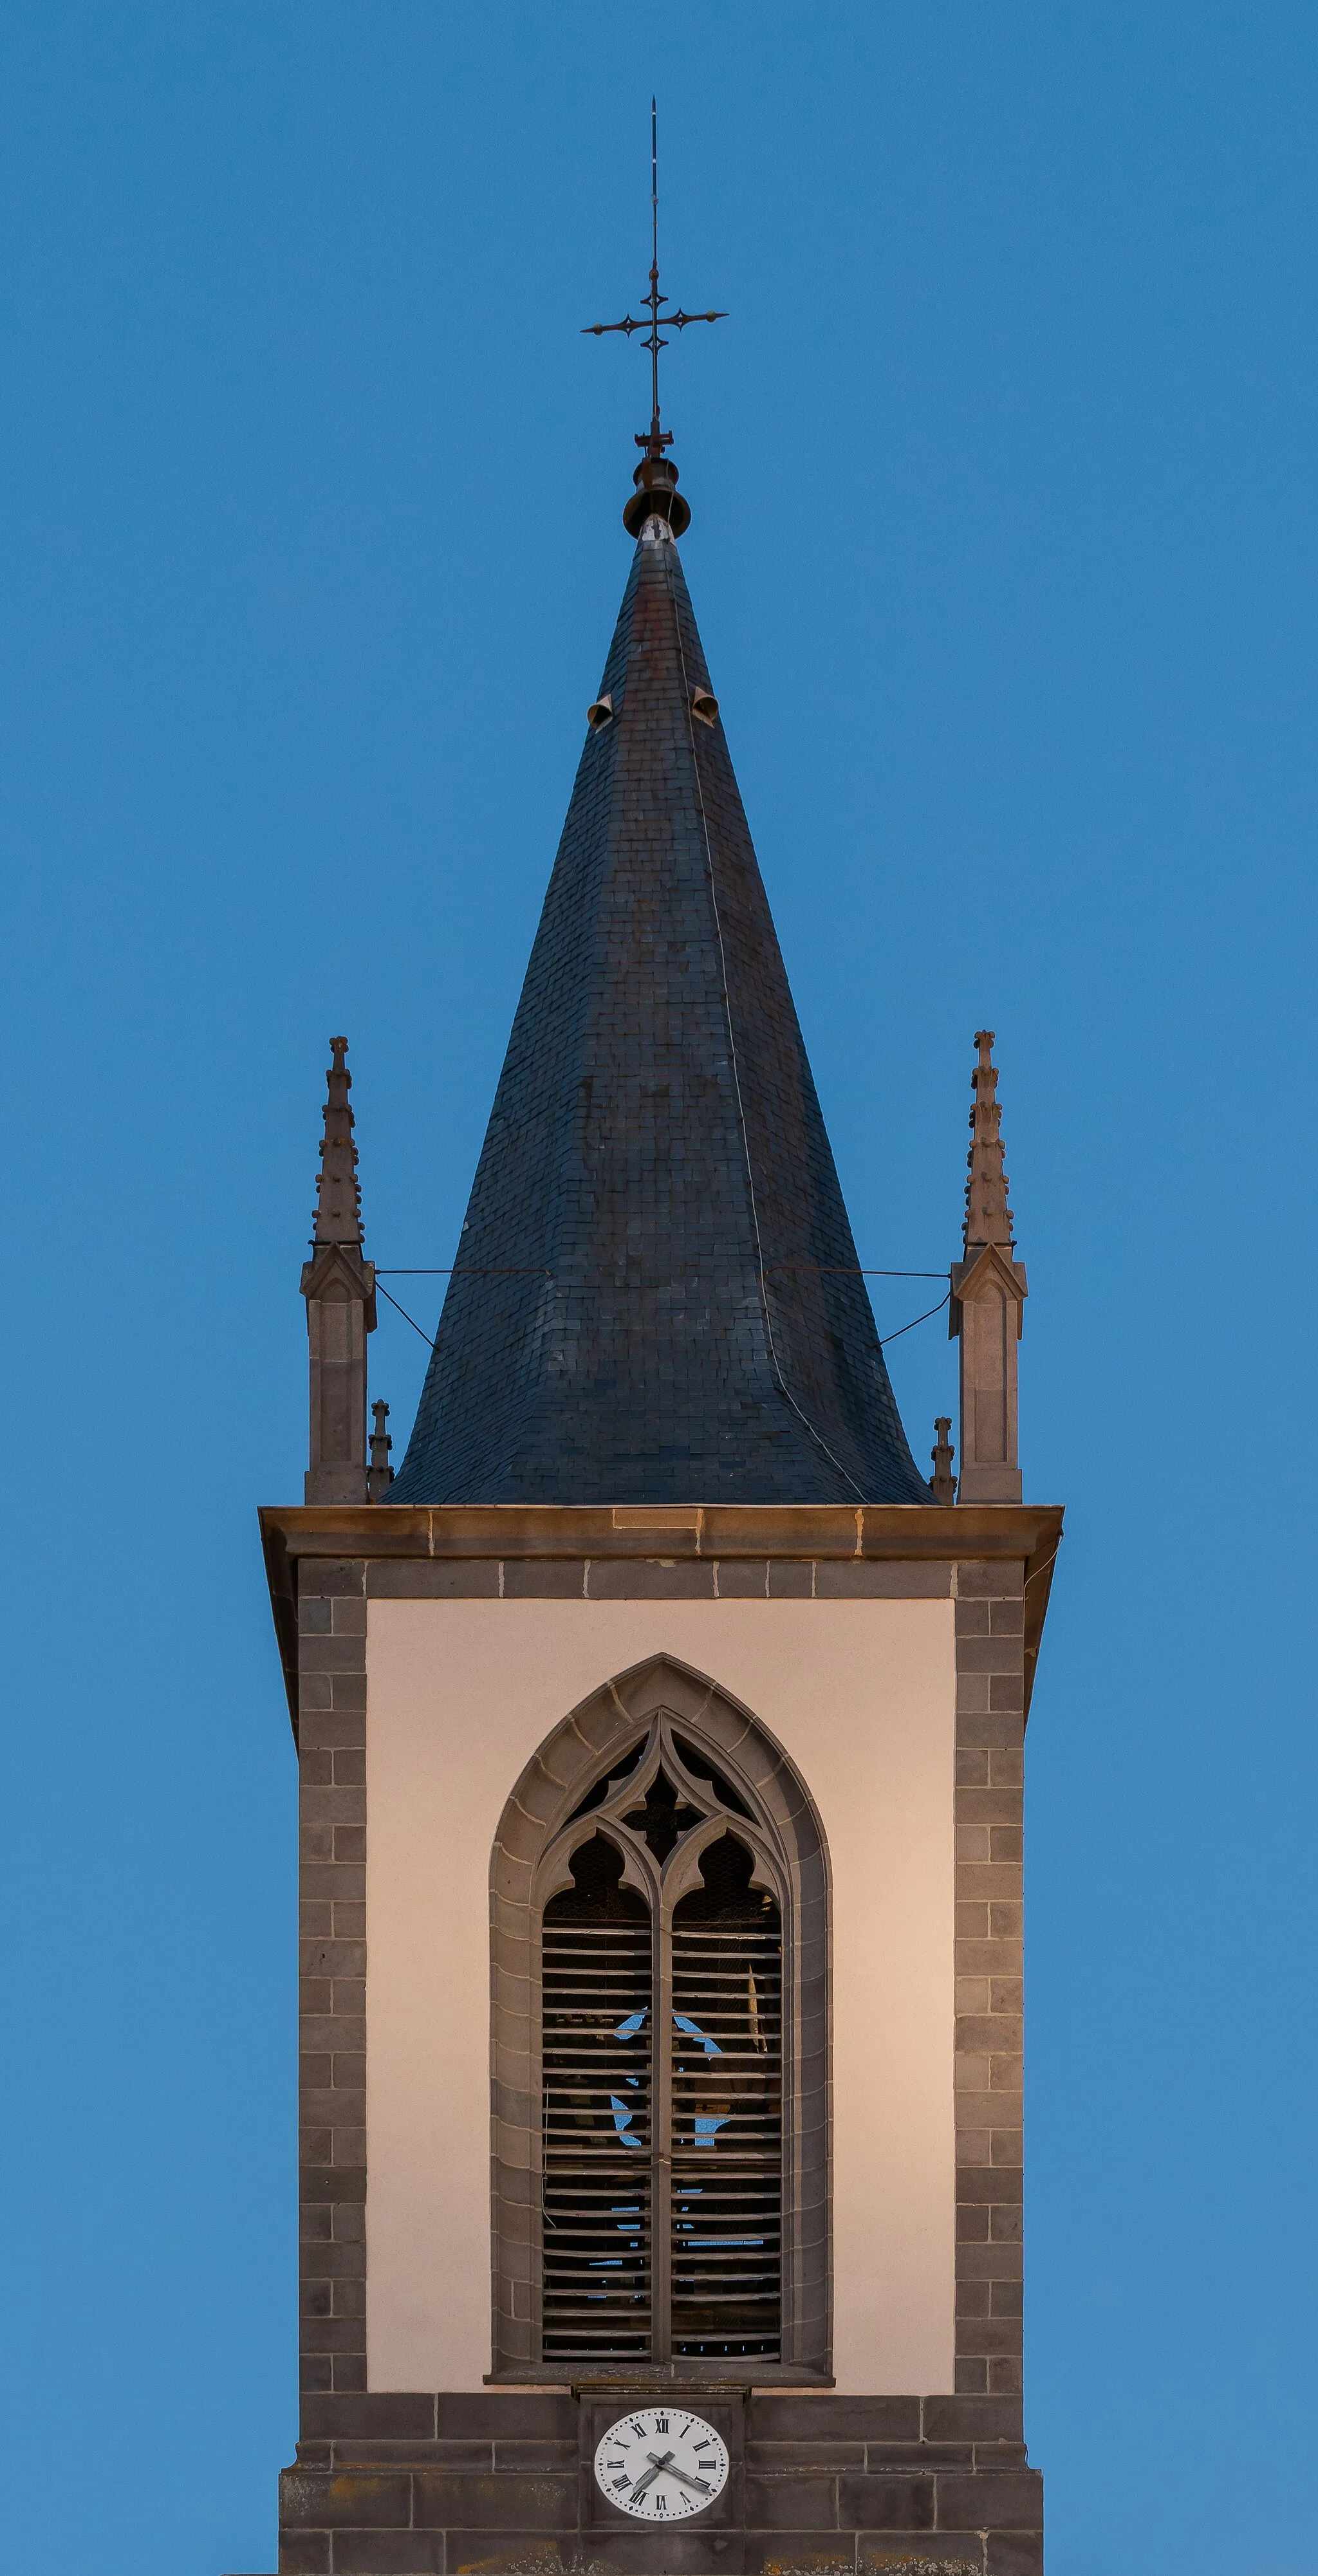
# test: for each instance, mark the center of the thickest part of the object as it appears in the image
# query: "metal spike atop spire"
(656, 438)
(338, 1192)
(988, 1217)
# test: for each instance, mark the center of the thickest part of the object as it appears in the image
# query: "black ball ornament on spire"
(656, 495)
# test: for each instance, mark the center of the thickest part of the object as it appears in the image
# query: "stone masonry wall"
(497, 2484)
(332, 1927)
(444, 2484)
(990, 1621)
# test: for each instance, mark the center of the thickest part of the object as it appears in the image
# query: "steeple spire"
(657, 1297)
(986, 1305)
(339, 1287)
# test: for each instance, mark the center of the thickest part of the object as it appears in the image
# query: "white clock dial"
(663, 2464)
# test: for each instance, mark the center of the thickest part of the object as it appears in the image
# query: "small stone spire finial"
(988, 1217)
(942, 1483)
(986, 1305)
(338, 1193)
(339, 1287)
(380, 1475)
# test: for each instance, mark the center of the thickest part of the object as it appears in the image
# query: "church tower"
(661, 1731)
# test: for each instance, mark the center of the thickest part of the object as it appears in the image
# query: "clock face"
(663, 2464)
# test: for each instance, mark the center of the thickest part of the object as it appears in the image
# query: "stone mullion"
(989, 1931)
(332, 1933)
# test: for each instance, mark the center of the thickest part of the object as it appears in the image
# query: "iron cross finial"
(655, 439)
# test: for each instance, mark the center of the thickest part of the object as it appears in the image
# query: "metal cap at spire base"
(656, 497)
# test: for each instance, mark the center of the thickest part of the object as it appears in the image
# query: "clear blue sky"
(1005, 558)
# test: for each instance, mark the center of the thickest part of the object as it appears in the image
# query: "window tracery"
(660, 2036)
(661, 1945)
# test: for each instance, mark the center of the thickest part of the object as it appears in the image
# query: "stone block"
(331, 1654)
(327, 2501)
(996, 1578)
(821, 2453)
(1007, 1618)
(544, 1578)
(743, 1578)
(330, 1730)
(790, 1579)
(332, 2182)
(1005, 2375)
(336, 2335)
(1015, 2553)
(389, 2553)
(886, 2503)
(801, 2501)
(402, 2418)
(809, 2553)
(821, 2416)
(483, 2552)
(995, 2499)
(515, 2455)
(424, 1579)
(320, 1577)
(881, 2553)
(446, 2498)
(871, 1580)
(304, 2553)
(649, 1579)
(982, 1806)
(979, 2419)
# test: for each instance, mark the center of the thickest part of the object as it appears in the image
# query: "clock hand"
(687, 2479)
(651, 2474)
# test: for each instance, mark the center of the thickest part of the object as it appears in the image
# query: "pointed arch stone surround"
(585, 1745)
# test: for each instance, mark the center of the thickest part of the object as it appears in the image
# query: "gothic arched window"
(674, 1915)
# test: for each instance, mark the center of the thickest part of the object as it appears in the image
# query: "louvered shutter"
(703, 1987)
(597, 2034)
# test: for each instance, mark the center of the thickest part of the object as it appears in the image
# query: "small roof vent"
(704, 706)
(600, 714)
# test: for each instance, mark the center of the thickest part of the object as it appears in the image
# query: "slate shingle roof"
(652, 1304)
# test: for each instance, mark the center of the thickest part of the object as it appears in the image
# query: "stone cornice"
(870, 1531)
(917, 1533)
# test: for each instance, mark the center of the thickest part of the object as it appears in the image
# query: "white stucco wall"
(861, 1694)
